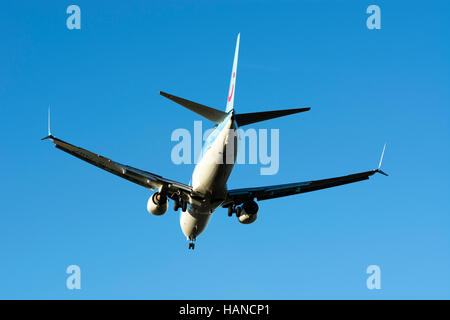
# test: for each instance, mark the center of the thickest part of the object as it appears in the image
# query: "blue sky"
(365, 87)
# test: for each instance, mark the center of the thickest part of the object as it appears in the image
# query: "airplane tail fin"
(248, 118)
(218, 116)
(212, 114)
(232, 89)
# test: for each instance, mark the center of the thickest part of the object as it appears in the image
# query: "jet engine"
(157, 204)
(248, 212)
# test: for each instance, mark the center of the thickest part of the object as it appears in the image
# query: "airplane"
(208, 188)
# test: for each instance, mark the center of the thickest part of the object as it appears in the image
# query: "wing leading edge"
(140, 177)
(238, 196)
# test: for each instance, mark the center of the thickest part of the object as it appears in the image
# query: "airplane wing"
(140, 177)
(238, 196)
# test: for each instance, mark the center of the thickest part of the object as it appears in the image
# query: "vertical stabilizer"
(231, 91)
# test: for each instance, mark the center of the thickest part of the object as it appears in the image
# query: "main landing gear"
(180, 204)
(234, 209)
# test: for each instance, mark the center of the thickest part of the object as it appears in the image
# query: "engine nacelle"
(157, 204)
(249, 212)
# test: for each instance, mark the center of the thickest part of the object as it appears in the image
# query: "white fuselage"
(210, 177)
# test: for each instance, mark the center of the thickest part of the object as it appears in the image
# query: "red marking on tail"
(232, 88)
(231, 93)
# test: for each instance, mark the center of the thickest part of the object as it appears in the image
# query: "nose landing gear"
(191, 243)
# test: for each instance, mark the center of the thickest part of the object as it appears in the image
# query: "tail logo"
(232, 88)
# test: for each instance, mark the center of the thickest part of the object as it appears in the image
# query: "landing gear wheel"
(238, 211)
(230, 211)
(184, 206)
(192, 245)
(176, 205)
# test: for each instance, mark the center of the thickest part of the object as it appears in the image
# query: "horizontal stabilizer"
(212, 114)
(248, 118)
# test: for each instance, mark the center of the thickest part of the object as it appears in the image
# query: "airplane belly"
(193, 224)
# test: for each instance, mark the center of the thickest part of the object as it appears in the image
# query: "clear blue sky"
(365, 87)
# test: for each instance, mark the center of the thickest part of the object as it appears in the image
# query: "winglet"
(381, 161)
(49, 136)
